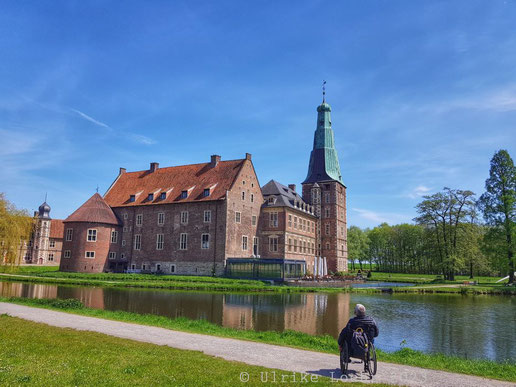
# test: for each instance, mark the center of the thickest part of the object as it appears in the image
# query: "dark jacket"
(366, 323)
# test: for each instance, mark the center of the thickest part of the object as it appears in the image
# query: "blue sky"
(422, 93)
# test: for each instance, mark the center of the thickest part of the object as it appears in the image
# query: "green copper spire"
(324, 162)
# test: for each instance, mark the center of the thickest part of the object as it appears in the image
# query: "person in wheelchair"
(361, 323)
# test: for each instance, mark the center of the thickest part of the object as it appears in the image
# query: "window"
(184, 194)
(162, 196)
(255, 245)
(253, 220)
(159, 241)
(69, 234)
(144, 266)
(206, 192)
(237, 217)
(271, 200)
(244, 242)
(313, 248)
(207, 216)
(158, 267)
(122, 256)
(304, 225)
(139, 219)
(52, 243)
(137, 242)
(273, 220)
(243, 195)
(205, 241)
(327, 246)
(290, 221)
(125, 216)
(123, 242)
(327, 197)
(112, 255)
(289, 244)
(313, 227)
(273, 244)
(295, 222)
(114, 236)
(133, 266)
(67, 254)
(327, 228)
(132, 198)
(150, 197)
(183, 241)
(304, 247)
(161, 218)
(342, 249)
(90, 254)
(295, 246)
(91, 235)
(327, 212)
(51, 257)
(126, 229)
(184, 217)
(252, 198)
(172, 268)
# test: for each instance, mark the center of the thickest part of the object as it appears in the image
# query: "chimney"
(214, 160)
(292, 187)
(248, 156)
(154, 167)
(122, 170)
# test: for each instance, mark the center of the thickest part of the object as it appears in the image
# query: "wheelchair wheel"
(344, 355)
(372, 363)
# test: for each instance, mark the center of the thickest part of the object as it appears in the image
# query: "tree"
(498, 203)
(444, 213)
(15, 229)
(357, 245)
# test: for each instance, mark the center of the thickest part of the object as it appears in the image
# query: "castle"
(214, 218)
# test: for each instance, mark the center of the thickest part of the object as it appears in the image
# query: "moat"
(468, 326)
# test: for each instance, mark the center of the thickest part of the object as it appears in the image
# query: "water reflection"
(480, 326)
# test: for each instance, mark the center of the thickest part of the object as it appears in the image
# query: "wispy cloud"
(418, 192)
(91, 119)
(380, 217)
(142, 139)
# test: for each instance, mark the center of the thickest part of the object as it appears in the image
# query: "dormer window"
(184, 194)
(206, 192)
(163, 196)
(150, 197)
(132, 198)
(272, 199)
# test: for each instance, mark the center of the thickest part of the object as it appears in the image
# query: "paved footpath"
(266, 355)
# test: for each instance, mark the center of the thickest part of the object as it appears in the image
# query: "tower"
(324, 189)
(41, 235)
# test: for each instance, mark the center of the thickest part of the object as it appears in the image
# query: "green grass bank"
(485, 368)
(40, 355)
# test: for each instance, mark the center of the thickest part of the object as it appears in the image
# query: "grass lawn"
(40, 355)
(326, 343)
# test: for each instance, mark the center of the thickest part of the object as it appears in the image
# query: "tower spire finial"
(46, 196)
(97, 188)
(324, 91)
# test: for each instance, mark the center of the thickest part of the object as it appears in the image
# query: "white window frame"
(114, 236)
(160, 241)
(183, 241)
(207, 216)
(52, 243)
(256, 242)
(91, 235)
(67, 254)
(112, 255)
(273, 246)
(245, 243)
(123, 242)
(238, 217)
(161, 218)
(137, 242)
(205, 245)
(139, 220)
(273, 219)
(184, 217)
(254, 220)
(69, 234)
(90, 253)
(50, 257)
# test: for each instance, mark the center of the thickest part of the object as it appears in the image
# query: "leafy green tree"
(498, 204)
(15, 229)
(358, 243)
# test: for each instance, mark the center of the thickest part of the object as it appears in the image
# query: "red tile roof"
(194, 178)
(56, 228)
(94, 210)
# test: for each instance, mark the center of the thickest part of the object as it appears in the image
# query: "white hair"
(359, 310)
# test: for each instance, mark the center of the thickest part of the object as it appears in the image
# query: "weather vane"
(97, 188)
(324, 91)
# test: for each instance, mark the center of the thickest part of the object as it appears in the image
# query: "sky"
(422, 94)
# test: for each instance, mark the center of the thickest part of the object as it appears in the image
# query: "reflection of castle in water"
(309, 313)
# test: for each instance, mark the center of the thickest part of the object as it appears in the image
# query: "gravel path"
(266, 355)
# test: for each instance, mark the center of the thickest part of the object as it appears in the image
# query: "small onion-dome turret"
(44, 211)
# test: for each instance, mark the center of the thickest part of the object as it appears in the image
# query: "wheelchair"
(368, 357)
